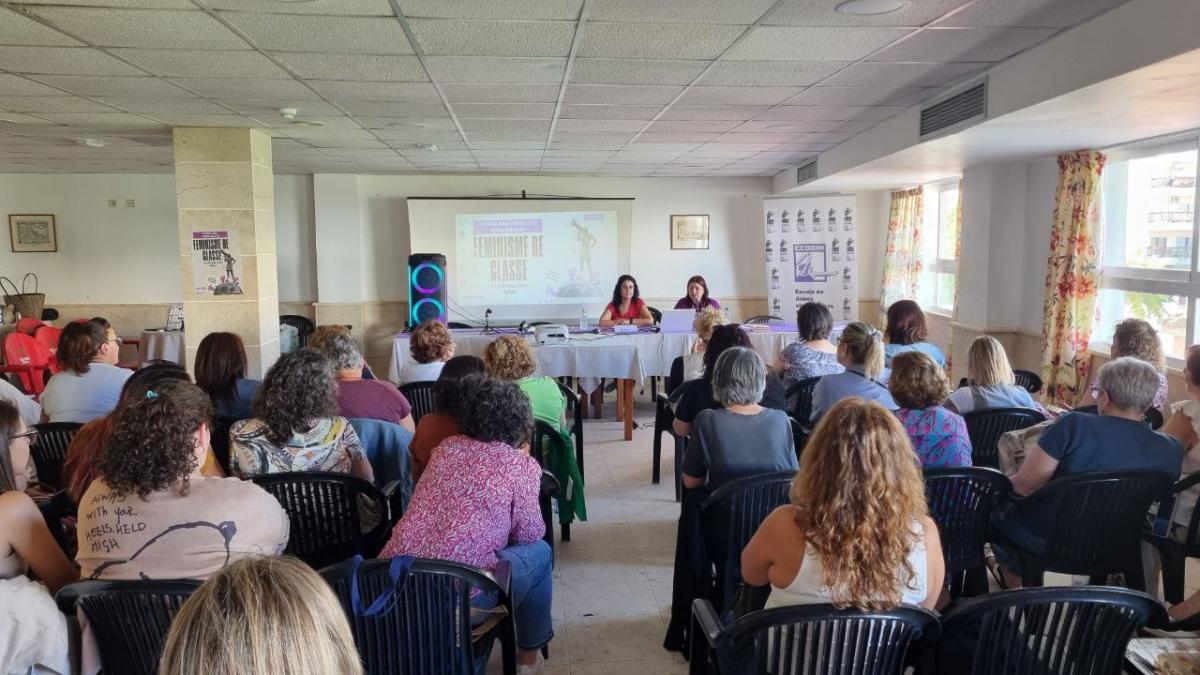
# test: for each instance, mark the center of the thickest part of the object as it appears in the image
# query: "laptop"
(678, 320)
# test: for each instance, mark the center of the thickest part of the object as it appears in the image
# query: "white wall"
(1041, 183)
(295, 239)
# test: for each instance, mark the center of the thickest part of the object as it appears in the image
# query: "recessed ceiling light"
(872, 7)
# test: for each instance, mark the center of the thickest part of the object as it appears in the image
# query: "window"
(939, 247)
(1148, 257)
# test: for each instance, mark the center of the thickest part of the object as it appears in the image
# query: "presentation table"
(164, 345)
(589, 357)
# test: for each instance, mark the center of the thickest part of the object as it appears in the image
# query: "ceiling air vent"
(806, 172)
(955, 112)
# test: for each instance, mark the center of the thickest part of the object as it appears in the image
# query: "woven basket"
(24, 304)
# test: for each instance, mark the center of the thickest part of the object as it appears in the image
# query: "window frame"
(936, 264)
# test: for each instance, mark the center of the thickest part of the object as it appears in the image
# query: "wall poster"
(215, 271)
(810, 255)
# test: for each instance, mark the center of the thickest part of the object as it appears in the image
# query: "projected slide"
(535, 258)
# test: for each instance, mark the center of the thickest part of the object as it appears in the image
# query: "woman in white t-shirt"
(89, 385)
(1183, 426)
(992, 383)
(431, 346)
(815, 550)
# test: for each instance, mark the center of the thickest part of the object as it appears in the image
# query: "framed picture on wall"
(689, 231)
(32, 233)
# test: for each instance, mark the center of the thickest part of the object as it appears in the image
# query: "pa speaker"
(426, 288)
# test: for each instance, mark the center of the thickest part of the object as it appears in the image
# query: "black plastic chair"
(130, 619)
(420, 397)
(656, 313)
(333, 516)
(800, 434)
(736, 509)
(219, 441)
(1028, 380)
(1094, 524)
(960, 502)
(50, 450)
(303, 325)
(800, 398)
(664, 416)
(542, 433)
(985, 427)
(809, 640)
(762, 318)
(1044, 631)
(427, 628)
(1153, 416)
(549, 489)
(574, 408)
(1175, 553)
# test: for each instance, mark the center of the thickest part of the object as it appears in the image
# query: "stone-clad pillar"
(224, 183)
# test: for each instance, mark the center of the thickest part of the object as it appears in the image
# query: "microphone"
(488, 312)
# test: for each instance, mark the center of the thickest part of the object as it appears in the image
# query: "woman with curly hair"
(938, 434)
(478, 502)
(443, 422)
(359, 397)
(906, 332)
(857, 532)
(296, 425)
(90, 382)
(431, 346)
(152, 515)
(1136, 338)
(508, 357)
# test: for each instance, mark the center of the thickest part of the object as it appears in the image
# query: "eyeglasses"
(32, 435)
(117, 340)
(1095, 391)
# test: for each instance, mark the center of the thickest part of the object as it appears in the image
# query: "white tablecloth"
(164, 345)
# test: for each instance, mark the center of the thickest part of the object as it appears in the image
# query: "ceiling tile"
(349, 7)
(785, 126)
(634, 94)
(868, 74)
(717, 126)
(635, 71)
(746, 148)
(360, 67)
(821, 13)
(256, 106)
(403, 135)
(9, 120)
(431, 125)
(679, 11)
(770, 73)
(16, 29)
(515, 136)
(62, 61)
(805, 146)
(505, 125)
(523, 110)
(11, 85)
(495, 69)
(493, 38)
(190, 120)
(41, 104)
(716, 112)
(194, 63)
(543, 10)
(166, 105)
(508, 145)
(611, 112)
(601, 141)
(855, 126)
(139, 87)
(880, 112)
(147, 4)
(376, 91)
(329, 121)
(862, 95)
(579, 155)
(780, 43)
(736, 95)
(657, 41)
(285, 90)
(145, 28)
(332, 34)
(695, 138)
(317, 132)
(812, 112)
(1047, 13)
(963, 44)
(396, 109)
(501, 93)
(99, 119)
(757, 137)
(591, 126)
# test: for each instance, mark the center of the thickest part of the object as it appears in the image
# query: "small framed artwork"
(32, 233)
(689, 231)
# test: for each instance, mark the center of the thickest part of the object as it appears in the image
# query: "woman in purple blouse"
(919, 386)
(697, 296)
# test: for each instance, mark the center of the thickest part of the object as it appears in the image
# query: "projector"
(551, 334)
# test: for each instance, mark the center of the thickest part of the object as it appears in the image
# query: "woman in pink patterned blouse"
(477, 502)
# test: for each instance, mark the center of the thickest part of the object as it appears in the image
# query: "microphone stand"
(487, 328)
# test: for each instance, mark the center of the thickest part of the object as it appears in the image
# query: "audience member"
(1137, 338)
(860, 350)
(697, 297)
(34, 633)
(693, 363)
(431, 346)
(31, 412)
(741, 438)
(991, 383)
(152, 515)
(857, 532)
(90, 382)
(322, 333)
(906, 332)
(296, 426)
(813, 355)
(442, 422)
(939, 435)
(358, 397)
(1115, 440)
(263, 614)
(697, 395)
(477, 502)
(221, 373)
(508, 357)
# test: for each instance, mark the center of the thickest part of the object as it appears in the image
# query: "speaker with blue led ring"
(426, 288)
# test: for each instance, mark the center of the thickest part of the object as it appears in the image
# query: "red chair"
(48, 336)
(28, 358)
(28, 325)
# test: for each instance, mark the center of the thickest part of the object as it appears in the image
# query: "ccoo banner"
(810, 255)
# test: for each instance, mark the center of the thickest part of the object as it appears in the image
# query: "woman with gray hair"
(359, 397)
(741, 438)
(1117, 439)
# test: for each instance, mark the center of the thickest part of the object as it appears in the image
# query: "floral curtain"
(902, 256)
(1071, 276)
